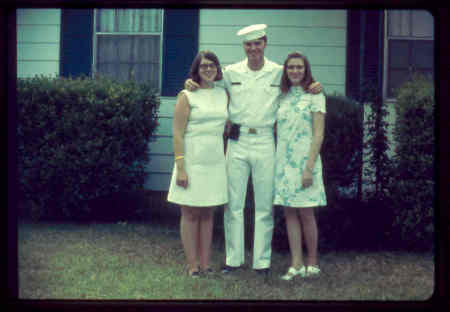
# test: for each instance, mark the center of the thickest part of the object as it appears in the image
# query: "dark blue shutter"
(353, 54)
(364, 51)
(364, 60)
(373, 48)
(76, 41)
(180, 46)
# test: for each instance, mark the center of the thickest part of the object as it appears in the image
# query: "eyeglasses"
(207, 66)
(298, 67)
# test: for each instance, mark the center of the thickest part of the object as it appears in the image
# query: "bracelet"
(179, 157)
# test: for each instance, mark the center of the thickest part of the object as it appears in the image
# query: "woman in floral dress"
(298, 178)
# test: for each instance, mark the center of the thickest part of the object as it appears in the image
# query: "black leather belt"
(236, 131)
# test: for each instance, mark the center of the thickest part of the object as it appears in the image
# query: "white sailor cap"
(252, 32)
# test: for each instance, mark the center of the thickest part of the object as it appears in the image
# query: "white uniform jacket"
(257, 108)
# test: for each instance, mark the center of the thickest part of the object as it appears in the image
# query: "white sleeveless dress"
(204, 157)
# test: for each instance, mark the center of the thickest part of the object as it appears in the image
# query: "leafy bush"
(80, 139)
(412, 186)
(342, 146)
(374, 216)
(376, 145)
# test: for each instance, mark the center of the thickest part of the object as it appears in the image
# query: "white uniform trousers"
(253, 153)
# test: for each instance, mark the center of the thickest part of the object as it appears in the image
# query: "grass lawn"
(146, 261)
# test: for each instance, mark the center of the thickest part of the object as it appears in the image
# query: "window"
(409, 46)
(128, 44)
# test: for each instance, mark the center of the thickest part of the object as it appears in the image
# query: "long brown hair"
(307, 78)
(193, 74)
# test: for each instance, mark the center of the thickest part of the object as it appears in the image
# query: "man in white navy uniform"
(253, 85)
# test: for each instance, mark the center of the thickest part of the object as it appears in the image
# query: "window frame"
(160, 34)
(387, 56)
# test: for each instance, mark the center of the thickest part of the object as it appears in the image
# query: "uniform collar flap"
(268, 66)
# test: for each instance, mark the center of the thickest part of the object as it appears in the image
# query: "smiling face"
(207, 71)
(255, 50)
(295, 69)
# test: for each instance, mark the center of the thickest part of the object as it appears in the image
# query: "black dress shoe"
(264, 272)
(229, 269)
(195, 274)
(207, 272)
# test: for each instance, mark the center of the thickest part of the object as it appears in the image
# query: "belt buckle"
(252, 131)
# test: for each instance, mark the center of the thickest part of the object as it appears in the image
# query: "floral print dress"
(294, 137)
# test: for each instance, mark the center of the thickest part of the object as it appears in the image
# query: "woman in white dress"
(199, 180)
(298, 178)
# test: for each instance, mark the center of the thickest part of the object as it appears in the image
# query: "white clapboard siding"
(289, 17)
(316, 54)
(167, 106)
(158, 181)
(319, 34)
(160, 164)
(38, 42)
(278, 35)
(165, 127)
(162, 145)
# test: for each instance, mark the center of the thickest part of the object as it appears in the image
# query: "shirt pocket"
(238, 87)
(272, 89)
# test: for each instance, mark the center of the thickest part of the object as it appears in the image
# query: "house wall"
(38, 42)
(321, 35)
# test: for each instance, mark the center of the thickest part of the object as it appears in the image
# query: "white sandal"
(294, 272)
(312, 271)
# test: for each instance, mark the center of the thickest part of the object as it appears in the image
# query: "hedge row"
(80, 139)
(413, 183)
(83, 140)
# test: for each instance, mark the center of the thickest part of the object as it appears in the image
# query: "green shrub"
(376, 146)
(412, 186)
(342, 146)
(80, 139)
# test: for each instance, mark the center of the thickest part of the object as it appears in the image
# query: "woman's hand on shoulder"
(191, 85)
(315, 88)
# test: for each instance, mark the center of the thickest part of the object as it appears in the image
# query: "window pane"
(104, 19)
(399, 23)
(422, 54)
(150, 21)
(422, 24)
(396, 78)
(121, 56)
(125, 21)
(125, 56)
(409, 54)
(427, 73)
(129, 20)
(399, 53)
